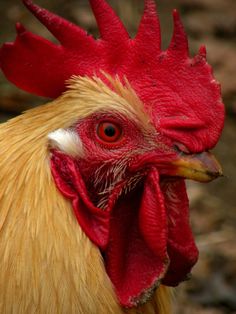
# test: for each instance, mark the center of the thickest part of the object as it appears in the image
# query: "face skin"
(125, 178)
(128, 151)
(111, 159)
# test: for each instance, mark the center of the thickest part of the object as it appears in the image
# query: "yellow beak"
(201, 167)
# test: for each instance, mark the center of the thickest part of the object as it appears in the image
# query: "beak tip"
(214, 175)
(201, 167)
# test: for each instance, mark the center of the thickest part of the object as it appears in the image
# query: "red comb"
(41, 67)
(180, 90)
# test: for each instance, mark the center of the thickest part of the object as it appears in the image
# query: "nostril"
(181, 148)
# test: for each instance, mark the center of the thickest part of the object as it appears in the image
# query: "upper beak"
(201, 167)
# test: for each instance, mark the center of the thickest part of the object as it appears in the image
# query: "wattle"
(144, 236)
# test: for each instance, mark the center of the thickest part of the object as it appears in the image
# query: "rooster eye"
(109, 132)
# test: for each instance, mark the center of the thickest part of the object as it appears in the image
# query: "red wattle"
(181, 247)
(136, 258)
(144, 235)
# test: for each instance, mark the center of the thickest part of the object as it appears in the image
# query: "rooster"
(93, 205)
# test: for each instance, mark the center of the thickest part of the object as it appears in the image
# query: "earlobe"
(66, 141)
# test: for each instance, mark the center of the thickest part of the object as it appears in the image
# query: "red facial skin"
(143, 234)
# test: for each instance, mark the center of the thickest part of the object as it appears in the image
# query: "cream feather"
(47, 263)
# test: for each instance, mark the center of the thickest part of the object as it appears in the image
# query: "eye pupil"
(110, 131)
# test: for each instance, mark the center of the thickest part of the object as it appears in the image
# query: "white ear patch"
(66, 141)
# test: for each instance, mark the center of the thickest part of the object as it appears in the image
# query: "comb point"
(202, 51)
(150, 4)
(200, 57)
(179, 41)
(149, 33)
(110, 26)
(20, 29)
(175, 14)
(28, 3)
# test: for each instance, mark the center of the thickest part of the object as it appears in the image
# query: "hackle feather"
(46, 260)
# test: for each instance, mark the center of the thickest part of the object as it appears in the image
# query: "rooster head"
(146, 120)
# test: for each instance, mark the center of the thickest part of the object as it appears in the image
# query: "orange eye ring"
(109, 132)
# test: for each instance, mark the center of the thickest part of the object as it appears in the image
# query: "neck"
(47, 262)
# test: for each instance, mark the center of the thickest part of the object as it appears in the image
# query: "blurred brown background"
(212, 290)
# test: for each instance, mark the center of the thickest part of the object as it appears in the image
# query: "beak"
(201, 167)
